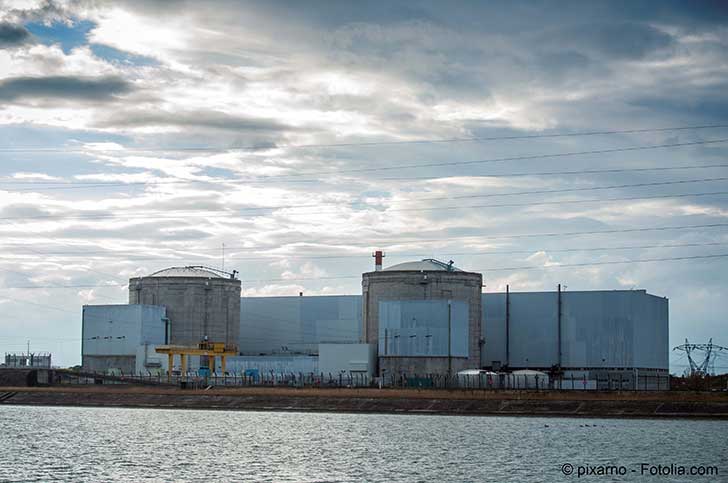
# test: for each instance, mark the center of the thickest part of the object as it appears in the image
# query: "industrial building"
(285, 325)
(424, 317)
(179, 306)
(416, 318)
(202, 302)
(585, 334)
(113, 337)
(28, 360)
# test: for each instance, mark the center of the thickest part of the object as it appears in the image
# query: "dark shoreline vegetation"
(698, 405)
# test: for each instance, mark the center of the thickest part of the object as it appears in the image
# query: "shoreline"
(665, 405)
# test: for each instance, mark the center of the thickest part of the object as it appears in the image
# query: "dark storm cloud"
(12, 35)
(193, 119)
(715, 110)
(706, 103)
(618, 40)
(555, 68)
(689, 15)
(63, 87)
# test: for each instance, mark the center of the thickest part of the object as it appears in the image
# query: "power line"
(361, 144)
(505, 159)
(68, 185)
(572, 190)
(562, 202)
(611, 262)
(506, 252)
(367, 255)
(547, 267)
(52, 307)
(382, 242)
(496, 160)
(228, 213)
(62, 243)
(75, 339)
(573, 233)
(557, 173)
(530, 267)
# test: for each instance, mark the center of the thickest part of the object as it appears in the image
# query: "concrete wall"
(149, 361)
(111, 334)
(270, 325)
(599, 330)
(429, 285)
(347, 358)
(124, 364)
(196, 306)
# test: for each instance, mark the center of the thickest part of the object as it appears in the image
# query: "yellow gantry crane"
(209, 349)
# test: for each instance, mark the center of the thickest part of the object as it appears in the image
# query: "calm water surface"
(110, 444)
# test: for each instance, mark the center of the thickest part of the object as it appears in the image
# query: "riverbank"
(398, 401)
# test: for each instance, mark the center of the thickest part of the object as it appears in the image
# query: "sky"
(581, 143)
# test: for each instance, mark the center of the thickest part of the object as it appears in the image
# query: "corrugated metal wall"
(112, 334)
(297, 324)
(420, 328)
(600, 329)
(119, 329)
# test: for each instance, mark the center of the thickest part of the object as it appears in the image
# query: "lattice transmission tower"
(710, 352)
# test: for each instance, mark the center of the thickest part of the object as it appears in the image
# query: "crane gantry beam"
(209, 349)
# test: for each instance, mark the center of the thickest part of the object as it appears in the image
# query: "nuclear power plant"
(424, 317)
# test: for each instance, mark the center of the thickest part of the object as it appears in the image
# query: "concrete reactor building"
(202, 303)
(424, 317)
(178, 306)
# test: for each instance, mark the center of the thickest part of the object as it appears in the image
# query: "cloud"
(80, 88)
(12, 35)
(35, 176)
(618, 40)
(317, 74)
(46, 11)
(192, 119)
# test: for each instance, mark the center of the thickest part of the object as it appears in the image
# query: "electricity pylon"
(710, 350)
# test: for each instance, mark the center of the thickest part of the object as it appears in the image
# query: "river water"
(133, 445)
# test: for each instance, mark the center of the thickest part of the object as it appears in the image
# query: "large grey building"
(202, 303)
(273, 325)
(424, 317)
(584, 332)
(602, 331)
(420, 317)
(112, 335)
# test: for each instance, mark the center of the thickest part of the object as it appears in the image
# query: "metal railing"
(492, 382)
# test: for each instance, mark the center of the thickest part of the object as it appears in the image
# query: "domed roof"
(190, 271)
(426, 265)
